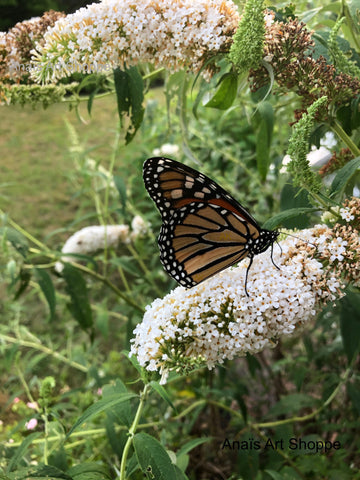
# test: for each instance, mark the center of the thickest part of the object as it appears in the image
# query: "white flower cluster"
(215, 320)
(346, 214)
(92, 239)
(166, 149)
(317, 157)
(139, 227)
(176, 35)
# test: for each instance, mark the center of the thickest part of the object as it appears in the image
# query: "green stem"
(346, 12)
(46, 350)
(46, 435)
(107, 282)
(25, 385)
(312, 414)
(154, 73)
(104, 280)
(147, 273)
(25, 233)
(340, 132)
(104, 217)
(132, 431)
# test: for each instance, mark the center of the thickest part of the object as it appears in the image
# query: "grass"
(35, 160)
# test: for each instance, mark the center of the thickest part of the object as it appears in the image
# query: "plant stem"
(340, 132)
(42, 348)
(107, 282)
(25, 233)
(132, 431)
(24, 384)
(46, 435)
(105, 217)
(312, 414)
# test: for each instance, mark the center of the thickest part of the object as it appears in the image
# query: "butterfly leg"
(272, 250)
(246, 275)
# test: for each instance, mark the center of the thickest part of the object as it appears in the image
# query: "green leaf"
(292, 403)
(265, 119)
(121, 188)
(277, 220)
(179, 474)
(100, 407)
(122, 414)
(292, 197)
(24, 278)
(20, 451)
(274, 475)
(116, 438)
(163, 394)
(350, 324)
(354, 394)
(46, 471)
(129, 87)
(262, 150)
(153, 458)
(17, 239)
(89, 471)
(134, 361)
(344, 175)
(47, 287)
(79, 304)
(225, 93)
(192, 444)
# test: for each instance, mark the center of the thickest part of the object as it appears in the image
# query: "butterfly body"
(204, 230)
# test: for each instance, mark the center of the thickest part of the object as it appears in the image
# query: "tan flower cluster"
(337, 160)
(17, 43)
(288, 49)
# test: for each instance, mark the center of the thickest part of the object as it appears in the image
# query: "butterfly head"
(265, 239)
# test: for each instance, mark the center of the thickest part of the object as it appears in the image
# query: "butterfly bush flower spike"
(176, 35)
(215, 320)
(94, 238)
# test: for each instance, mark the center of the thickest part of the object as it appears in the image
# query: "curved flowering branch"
(178, 34)
(215, 320)
(94, 238)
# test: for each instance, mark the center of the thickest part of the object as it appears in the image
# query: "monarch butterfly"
(204, 230)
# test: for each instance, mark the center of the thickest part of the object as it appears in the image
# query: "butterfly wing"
(200, 240)
(205, 230)
(172, 185)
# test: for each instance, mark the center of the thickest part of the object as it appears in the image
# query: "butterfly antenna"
(299, 238)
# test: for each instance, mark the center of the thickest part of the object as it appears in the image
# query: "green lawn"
(35, 160)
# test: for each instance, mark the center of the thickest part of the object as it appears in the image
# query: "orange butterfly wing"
(205, 230)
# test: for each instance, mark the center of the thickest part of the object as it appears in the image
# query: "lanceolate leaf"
(277, 220)
(20, 451)
(225, 93)
(17, 239)
(129, 88)
(79, 304)
(350, 324)
(47, 287)
(265, 117)
(163, 393)
(344, 175)
(99, 407)
(153, 458)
